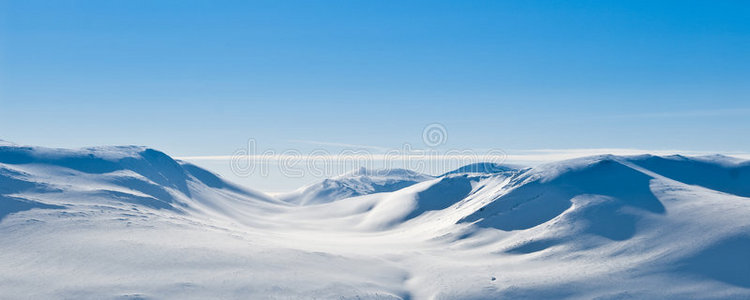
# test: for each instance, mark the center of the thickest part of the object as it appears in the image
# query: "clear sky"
(197, 78)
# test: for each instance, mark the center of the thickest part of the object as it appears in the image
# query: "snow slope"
(132, 223)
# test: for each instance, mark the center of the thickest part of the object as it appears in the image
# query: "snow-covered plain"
(132, 223)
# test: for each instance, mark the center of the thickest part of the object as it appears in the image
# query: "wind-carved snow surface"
(132, 223)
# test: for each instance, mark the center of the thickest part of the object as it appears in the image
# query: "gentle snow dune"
(132, 223)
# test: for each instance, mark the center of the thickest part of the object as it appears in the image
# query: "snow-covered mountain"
(485, 168)
(360, 182)
(365, 181)
(132, 223)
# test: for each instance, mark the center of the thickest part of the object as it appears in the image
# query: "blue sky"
(199, 78)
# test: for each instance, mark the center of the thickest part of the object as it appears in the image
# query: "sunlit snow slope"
(132, 223)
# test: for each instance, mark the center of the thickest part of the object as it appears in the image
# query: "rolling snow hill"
(132, 223)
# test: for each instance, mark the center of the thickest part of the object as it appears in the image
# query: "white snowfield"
(132, 223)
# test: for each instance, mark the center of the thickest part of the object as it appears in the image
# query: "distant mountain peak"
(484, 168)
(362, 181)
(384, 173)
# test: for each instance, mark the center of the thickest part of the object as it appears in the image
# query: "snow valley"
(133, 223)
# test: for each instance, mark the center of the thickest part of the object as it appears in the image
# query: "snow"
(133, 223)
(485, 168)
(356, 183)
